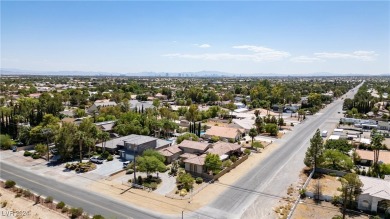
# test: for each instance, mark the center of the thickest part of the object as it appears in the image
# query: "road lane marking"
(65, 193)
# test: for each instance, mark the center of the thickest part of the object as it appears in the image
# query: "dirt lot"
(312, 210)
(23, 208)
(328, 184)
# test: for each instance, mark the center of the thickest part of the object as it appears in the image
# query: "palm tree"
(80, 136)
(376, 145)
(252, 133)
(104, 136)
(257, 113)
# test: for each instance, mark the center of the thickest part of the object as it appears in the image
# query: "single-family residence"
(374, 192)
(129, 145)
(224, 133)
(367, 157)
(195, 164)
(106, 126)
(171, 153)
(139, 105)
(100, 104)
(193, 147)
(161, 96)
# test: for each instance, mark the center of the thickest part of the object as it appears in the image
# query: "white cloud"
(360, 55)
(264, 53)
(259, 54)
(204, 46)
(306, 59)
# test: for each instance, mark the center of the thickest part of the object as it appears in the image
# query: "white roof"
(334, 137)
(338, 130)
(375, 187)
(365, 141)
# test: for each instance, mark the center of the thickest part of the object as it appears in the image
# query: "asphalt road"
(255, 194)
(252, 196)
(90, 202)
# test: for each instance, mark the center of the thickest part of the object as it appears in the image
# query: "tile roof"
(375, 187)
(221, 148)
(194, 145)
(224, 132)
(198, 160)
(384, 156)
(169, 151)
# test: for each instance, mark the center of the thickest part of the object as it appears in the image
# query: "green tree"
(252, 133)
(150, 164)
(272, 129)
(187, 136)
(41, 149)
(336, 160)
(350, 188)
(376, 145)
(6, 142)
(186, 180)
(153, 153)
(340, 145)
(213, 163)
(315, 150)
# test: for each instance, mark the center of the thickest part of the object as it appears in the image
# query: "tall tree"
(376, 145)
(351, 188)
(252, 133)
(315, 150)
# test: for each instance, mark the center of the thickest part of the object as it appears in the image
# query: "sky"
(247, 37)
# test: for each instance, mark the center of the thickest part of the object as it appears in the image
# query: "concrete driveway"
(108, 167)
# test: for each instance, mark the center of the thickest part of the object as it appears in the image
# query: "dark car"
(96, 159)
(14, 148)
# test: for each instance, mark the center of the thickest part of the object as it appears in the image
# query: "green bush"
(9, 184)
(233, 158)
(64, 209)
(60, 205)
(27, 153)
(153, 185)
(130, 171)
(110, 158)
(247, 151)
(18, 195)
(49, 199)
(105, 155)
(6, 142)
(198, 180)
(27, 193)
(76, 212)
(98, 216)
(35, 156)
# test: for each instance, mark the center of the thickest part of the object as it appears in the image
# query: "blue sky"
(239, 37)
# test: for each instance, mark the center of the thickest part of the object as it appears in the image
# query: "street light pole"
(134, 154)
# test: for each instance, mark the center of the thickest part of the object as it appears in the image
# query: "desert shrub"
(27, 153)
(49, 199)
(64, 209)
(76, 212)
(183, 192)
(130, 171)
(129, 181)
(140, 180)
(153, 185)
(227, 163)
(233, 158)
(9, 184)
(27, 193)
(110, 158)
(60, 205)
(247, 151)
(18, 195)
(98, 216)
(4, 204)
(105, 155)
(35, 156)
(198, 180)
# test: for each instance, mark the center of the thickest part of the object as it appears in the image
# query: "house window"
(365, 204)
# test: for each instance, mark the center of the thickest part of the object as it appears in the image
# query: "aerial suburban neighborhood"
(194, 109)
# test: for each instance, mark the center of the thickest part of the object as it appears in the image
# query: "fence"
(299, 197)
(331, 172)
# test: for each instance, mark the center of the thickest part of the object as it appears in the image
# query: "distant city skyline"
(294, 37)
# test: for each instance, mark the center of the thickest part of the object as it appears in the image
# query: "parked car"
(96, 159)
(125, 164)
(14, 148)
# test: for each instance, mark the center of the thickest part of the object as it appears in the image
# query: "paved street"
(73, 196)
